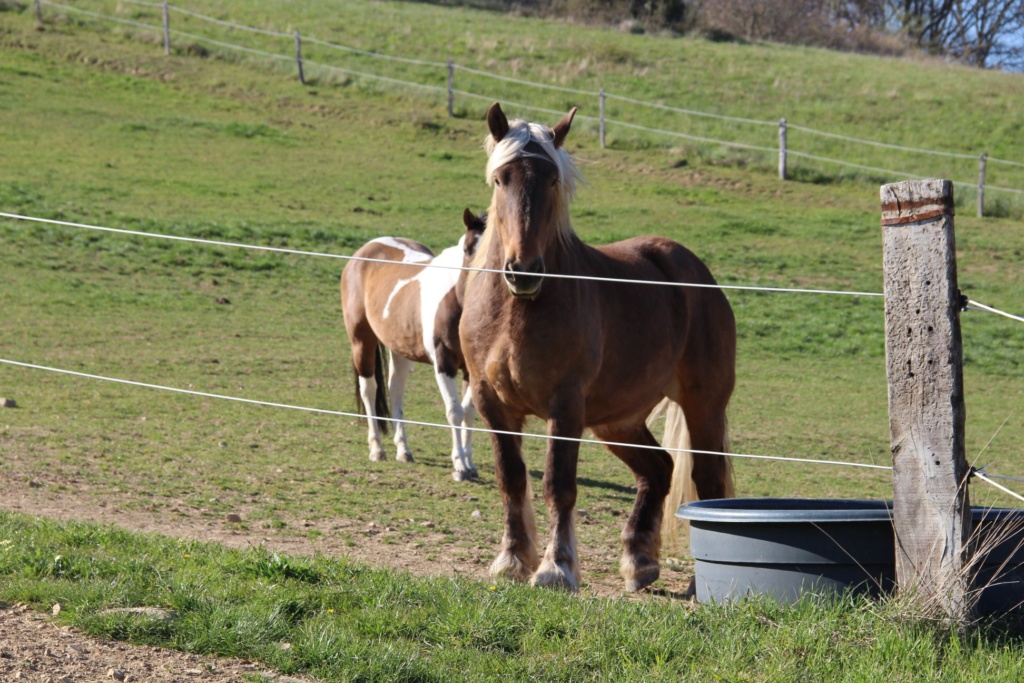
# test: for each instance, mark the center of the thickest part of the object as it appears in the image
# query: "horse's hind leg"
(398, 377)
(364, 361)
(705, 419)
(641, 537)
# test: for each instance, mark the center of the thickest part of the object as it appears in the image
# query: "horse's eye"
(497, 181)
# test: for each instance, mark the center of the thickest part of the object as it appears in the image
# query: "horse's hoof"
(378, 456)
(464, 475)
(642, 578)
(405, 456)
(508, 566)
(556, 576)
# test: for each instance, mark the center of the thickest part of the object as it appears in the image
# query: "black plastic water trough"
(787, 548)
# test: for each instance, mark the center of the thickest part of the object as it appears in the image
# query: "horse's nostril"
(522, 279)
(514, 268)
(510, 271)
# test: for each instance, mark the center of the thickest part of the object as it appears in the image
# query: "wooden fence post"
(602, 118)
(782, 149)
(981, 183)
(39, 11)
(167, 30)
(924, 362)
(451, 88)
(298, 56)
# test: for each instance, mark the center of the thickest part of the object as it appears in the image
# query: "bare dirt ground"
(34, 648)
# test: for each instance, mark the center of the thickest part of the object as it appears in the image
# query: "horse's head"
(533, 180)
(470, 243)
(475, 226)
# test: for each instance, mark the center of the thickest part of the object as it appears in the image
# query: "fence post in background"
(298, 56)
(602, 118)
(451, 88)
(981, 183)
(924, 363)
(167, 30)
(39, 11)
(782, 149)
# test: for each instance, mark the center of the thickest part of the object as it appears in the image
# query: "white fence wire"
(972, 304)
(281, 250)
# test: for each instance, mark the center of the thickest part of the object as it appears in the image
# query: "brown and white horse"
(581, 353)
(412, 309)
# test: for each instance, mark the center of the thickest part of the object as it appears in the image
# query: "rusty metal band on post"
(895, 212)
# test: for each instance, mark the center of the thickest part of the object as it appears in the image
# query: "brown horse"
(580, 353)
(399, 302)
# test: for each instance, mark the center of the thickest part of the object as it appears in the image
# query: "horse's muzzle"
(524, 281)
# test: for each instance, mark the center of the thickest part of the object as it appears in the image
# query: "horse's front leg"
(468, 411)
(455, 412)
(517, 557)
(560, 567)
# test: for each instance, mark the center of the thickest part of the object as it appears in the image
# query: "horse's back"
(648, 255)
(380, 294)
(668, 325)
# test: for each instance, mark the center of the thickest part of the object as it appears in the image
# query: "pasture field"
(99, 127)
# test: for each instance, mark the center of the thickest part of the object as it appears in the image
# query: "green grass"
(100, 127)
(343, 621)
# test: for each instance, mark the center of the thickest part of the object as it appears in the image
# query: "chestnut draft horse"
(582, 353)
(413, 310)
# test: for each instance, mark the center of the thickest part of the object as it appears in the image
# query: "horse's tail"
(676, 440)
(382, 406)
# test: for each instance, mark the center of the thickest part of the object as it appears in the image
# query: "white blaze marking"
(409, 255)
(435, 283)
(398, 287)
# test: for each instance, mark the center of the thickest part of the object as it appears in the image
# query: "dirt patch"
(34, 648)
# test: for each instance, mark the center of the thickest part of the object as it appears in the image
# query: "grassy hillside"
(926, 105)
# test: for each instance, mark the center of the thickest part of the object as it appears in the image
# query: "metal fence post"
(451, 88)
(298, 56)
(167, 30)
(782, 149)
(981, 183)
(602, 119)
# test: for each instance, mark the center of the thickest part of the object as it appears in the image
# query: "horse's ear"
(475, 226)
(497, 123)
(561, 128)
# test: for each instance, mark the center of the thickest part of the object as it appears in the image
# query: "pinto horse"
(587, 354)
(397, 301)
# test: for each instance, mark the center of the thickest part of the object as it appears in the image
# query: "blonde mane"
(515, 146)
